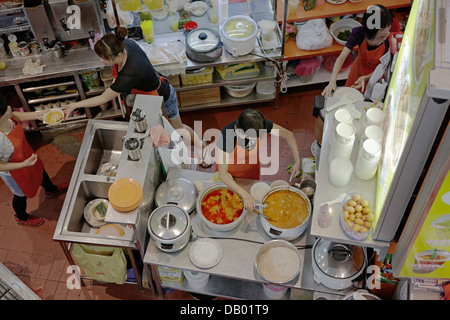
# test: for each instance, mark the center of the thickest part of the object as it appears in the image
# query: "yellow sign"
(430, 254)
(405, 92)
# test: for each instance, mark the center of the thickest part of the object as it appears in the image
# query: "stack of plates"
(125, 194)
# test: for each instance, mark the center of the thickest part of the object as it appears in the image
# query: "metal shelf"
(53, 98)
(32, 89)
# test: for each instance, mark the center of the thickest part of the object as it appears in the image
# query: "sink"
(87, 191)
(106, 147)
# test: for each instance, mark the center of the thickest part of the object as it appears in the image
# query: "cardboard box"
(199, 96)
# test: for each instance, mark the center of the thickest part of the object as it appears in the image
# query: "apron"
(30, 178)
(365, 63)
(244, 163)
(115, 73)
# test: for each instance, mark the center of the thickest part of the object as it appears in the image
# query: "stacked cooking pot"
(169, 224)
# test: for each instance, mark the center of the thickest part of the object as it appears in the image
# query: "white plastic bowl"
(341, 26)
(240, 91)
(259, 189)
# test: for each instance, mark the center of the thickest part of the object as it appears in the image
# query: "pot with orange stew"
(220, 208)
(289, 209)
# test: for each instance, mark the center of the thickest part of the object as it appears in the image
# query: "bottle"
(342, 142)
(368, 159)
(13, 46)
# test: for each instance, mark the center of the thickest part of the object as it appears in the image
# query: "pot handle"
(340, 252)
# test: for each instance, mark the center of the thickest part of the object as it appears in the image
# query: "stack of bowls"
(125, 194)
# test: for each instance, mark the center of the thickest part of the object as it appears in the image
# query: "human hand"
(30, 161)
(295, 170)
(329, 89)
(40, 114)
(360, 84)
(67, 109)
(249, 201)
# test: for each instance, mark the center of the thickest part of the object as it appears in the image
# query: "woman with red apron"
(373, 42)
(133, 72)
(238, 151)
(22, 170)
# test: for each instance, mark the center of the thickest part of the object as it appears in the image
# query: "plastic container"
(194, 77)
(329, 61)
(368, 158)
(342, 142)
(349, 231)
(240, 91)
(266, 87)
(307, 66)
(341, 171)
(238, 71)
(274, 292)
(91, 80)
(196, 279)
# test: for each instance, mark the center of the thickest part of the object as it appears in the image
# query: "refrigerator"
(414, 117)
(423, 249)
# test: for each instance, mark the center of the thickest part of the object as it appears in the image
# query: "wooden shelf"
(324, 9)
(292, 52)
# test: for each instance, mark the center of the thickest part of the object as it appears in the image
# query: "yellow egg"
(345, 214)
(349, 223)
(364, 217)
(351, 203)
(358, 215)
(356, 227)
(351, 217)
(368, 224)
(358, 208)
(359, 221)
(366, 210)
(2, 65)
(350, 209)
(370, 217)
(363, 230)
(356, 197)
(364, 203)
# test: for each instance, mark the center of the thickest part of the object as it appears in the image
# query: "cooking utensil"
(291, 233)
(337, 265)
(263, 215)
(347, 98)
(203, 45)
(239, 35)
(169, 227)
(178, 191)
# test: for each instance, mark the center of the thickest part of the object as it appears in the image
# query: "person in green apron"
(134, 73)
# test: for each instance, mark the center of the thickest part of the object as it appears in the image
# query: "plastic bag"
(314, 35)
(125, 18)
(101, 263)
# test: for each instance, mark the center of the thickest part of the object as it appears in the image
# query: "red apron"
(244, 163)
(115, 73)
(30, 178)
(365, 63)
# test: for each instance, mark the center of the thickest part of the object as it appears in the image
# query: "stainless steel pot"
(203, 45)
(214, 226)
(179, 191)
(286, 234)
(337, 265)
(169, 227)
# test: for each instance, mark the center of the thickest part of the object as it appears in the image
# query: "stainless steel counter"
(73, 61)
(238, 255)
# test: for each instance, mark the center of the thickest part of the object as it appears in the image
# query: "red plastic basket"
(329, 61)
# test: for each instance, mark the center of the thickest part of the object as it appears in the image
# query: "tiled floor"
(37, 260)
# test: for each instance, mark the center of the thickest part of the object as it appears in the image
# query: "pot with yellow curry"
(289, 210)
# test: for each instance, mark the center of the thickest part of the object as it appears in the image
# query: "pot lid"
(168, 222)
(203, 39)
(239, 27)
(336, 260)
(179, 191)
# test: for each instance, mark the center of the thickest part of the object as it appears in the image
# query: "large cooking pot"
(286, 234)
(203, 45)
(169, 227)
(239, 35)
(215, 226)
(337, 265)
(179, 191)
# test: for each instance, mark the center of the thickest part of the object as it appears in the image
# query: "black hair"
(111, 44)
(374, 23)
(249, 120)
(3, 105)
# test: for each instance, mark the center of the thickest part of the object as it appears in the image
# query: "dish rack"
(12, 288)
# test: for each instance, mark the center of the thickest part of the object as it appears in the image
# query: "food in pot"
(239, 28)
(279, 264)
(287, 208)
(343, 35)
(358, 214)
(222, 206)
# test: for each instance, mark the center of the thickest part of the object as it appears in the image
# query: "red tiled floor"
(39, 261)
